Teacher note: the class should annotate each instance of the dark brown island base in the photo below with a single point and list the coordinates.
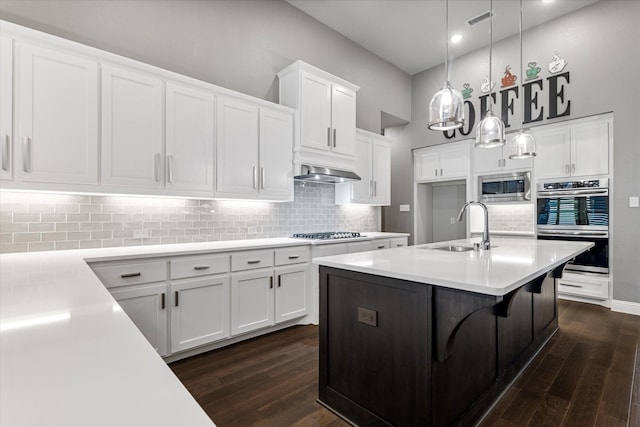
(402, 353)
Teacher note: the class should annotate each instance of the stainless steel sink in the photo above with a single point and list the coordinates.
(453, 248)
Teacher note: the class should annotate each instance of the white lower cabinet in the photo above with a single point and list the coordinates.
(199, 311)
(291, 292)
(251, 300)
(146, 306)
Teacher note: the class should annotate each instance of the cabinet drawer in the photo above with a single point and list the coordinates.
(131, 273)
(250, 260)
(584, 289)
(194, 266)
(398, 242)
(380, 244)
(292, 255)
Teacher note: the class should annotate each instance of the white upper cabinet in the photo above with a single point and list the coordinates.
(132, 155)
(574, 149)
(57, 118)
(373, 165)
(276, 154)
(254, 151)
(442, 162)
(326, 128)
(6, 108)
(237, 148)
(189, 140)
(489, 160)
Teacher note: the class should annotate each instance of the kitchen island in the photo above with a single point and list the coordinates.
(430, 337)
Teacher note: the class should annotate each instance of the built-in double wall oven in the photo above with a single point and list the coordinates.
(577, 211)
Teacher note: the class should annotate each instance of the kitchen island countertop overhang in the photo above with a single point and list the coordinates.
(509, 264)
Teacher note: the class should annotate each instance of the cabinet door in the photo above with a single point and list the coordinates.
(454, 162)
(189, 140)
(553, 153)
(487, 160)
(378, 244)
(381, 173)
(237, 148)
(426, 166)
(57, 123)
(590, 149)
(146, 307)
(6, 108)
(199, 311)
(343, 120)
(315, 112)
(276, 154)
(291, 292)
(131, 129)
(251, 301)
(361, 191)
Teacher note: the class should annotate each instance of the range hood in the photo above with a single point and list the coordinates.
(325, 175)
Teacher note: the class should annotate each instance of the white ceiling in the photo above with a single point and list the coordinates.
(410, 33)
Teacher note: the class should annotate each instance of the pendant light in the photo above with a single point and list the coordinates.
(446, 107)
(490, 130)
(523, 145)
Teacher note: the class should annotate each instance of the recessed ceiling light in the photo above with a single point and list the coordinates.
(456, 38)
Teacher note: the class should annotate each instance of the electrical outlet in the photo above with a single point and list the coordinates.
(140, 234)
(405, 208)
(634, 202)
(452, 220)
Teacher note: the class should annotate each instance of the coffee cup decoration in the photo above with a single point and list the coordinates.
(508, 79)
(533, 71)
(466, 91)
(485, 86)
(557, 64)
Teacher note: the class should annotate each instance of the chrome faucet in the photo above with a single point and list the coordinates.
(485, 243)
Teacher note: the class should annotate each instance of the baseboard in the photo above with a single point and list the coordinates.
(625, 307)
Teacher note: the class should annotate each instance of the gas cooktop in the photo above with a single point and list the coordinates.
(328, 235)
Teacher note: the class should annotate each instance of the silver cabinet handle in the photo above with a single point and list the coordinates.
(262, 178)
(435, 172)
(156, 167)
(128, 275)
(380, 246)
(201, 267)
(573, 167)
(440, 171)
(270, 282)
(170, 167)
(279, 280)
(334, 138)
(176, 295)
(5, 153)
(255, 177)
(375, 188)
(26, 154)
(253, 261)
(162, 301)
(370, 188)
(566, 168)
(570, 285)
(294, 256)
(399, 245)
(328, 137)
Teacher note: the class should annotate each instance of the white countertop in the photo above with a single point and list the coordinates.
(509, 264)
(69, 356)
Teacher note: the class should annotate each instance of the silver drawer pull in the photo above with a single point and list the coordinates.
(128, 275)
(571, 286)
(294, 256)
(381, 247)
(201, 267)
(399, 245)
(5, 153)
(253, 261)
(26, 154)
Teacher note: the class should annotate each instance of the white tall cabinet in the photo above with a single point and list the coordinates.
(56, 104)
(132, 149)
(6, 108)
(441, 162)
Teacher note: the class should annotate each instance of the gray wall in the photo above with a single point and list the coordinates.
(236, 44)
(601, 44)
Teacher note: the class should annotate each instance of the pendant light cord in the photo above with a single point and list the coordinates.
(446, 40)
(490, 56)
(521, 74)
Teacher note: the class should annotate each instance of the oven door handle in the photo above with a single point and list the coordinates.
(572, 193)
(573, 233)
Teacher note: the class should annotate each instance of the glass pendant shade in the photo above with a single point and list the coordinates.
(522, 146)
(446, 110)
(490, 132)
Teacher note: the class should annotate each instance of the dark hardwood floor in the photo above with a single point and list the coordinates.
(583, 377)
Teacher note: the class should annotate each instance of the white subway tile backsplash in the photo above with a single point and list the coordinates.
(63, 221)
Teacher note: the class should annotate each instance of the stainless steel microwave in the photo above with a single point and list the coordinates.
(506, 187)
